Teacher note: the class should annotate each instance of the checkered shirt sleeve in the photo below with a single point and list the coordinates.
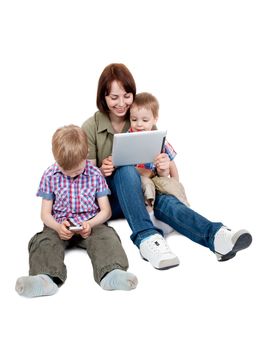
(46, 189)
(169, 150)
(101, 186)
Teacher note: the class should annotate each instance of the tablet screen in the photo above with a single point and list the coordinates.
(137, 147)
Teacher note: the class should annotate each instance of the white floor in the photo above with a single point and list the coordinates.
(204, 62)
(199, 304)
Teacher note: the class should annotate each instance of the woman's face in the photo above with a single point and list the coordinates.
(118, 100)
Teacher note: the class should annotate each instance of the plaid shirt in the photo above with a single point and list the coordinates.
(73, 199)
(167, 148)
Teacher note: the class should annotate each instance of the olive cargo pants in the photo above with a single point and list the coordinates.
(47, 250)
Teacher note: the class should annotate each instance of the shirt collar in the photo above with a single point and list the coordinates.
(85, 172)
(56, 169)
(104, 123)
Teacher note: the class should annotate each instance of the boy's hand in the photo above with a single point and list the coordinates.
(86, 231)
(107, 167)
(63, 231)
(162, 163)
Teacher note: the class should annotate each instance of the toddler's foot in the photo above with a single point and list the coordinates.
(160, 224)
(36, 286)
(227, 242)
(156, 250)
(119, 280)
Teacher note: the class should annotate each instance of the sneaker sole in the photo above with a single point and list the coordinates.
(166, 267)
(242, 242)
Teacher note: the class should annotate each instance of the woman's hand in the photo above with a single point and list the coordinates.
(162, 163)
(63, 231)
(107, 167)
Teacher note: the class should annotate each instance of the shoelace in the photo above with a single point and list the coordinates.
(159, 245)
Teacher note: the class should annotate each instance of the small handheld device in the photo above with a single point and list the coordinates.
(75, 228)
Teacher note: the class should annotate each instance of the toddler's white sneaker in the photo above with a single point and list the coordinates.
(156, 250)
(227, 242)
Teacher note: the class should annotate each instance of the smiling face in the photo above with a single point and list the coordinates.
(118, 101)
(141, 118)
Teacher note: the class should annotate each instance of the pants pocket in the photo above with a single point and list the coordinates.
(33, 239)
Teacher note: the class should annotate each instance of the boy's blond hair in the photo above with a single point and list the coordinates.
(148, 101)
(69, 146)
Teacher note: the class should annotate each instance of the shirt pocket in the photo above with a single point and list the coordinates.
(61, 202)
(87, 200)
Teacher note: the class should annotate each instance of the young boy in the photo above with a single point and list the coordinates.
(159, 175)
(74, 210)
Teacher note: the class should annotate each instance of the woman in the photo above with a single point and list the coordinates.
(115, 94)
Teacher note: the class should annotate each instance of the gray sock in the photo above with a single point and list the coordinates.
(119, 280)
(35, 286)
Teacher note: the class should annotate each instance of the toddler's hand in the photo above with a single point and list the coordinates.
(162, 163)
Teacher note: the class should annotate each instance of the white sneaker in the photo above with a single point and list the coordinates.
(227, 242)
(156, 250)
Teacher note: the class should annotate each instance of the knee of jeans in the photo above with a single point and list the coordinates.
(127, 171)
(166, 201)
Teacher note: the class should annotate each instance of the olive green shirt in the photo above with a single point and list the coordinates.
(100, 135)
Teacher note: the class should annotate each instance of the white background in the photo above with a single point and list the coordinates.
(204, 62)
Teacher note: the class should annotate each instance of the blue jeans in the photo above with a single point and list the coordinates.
(127, 201)
(186, 221)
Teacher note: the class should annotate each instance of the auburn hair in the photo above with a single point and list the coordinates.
(113, 72)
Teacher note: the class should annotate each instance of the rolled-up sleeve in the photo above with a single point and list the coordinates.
(102, 187)
(45, 189)
(89, 127)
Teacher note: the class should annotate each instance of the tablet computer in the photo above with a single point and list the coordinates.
(137, 147)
